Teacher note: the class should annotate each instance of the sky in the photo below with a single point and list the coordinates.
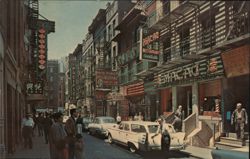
(72, 18)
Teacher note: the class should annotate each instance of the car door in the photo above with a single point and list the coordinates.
(125, 133)
(177, 138)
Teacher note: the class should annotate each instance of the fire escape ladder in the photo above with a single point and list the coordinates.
(236, 18)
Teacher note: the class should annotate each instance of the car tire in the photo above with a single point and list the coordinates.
(132, 147)
(110, 139)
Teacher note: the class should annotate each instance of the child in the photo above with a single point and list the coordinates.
(79, 147)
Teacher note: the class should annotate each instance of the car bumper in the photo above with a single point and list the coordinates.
(178, 147)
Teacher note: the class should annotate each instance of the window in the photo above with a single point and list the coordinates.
(114, 27)
(208, 30)
(184, 41)
(138, 128)
(167, 50)
(126, 127)
(153, 128)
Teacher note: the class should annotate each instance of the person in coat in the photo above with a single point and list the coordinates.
(70, 127)
(58, 138)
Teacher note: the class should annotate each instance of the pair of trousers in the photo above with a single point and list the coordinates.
(239, 129)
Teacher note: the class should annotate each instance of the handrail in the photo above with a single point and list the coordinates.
(189, 124)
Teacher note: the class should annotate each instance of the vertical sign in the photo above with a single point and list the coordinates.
(41, 48)
(149, 45)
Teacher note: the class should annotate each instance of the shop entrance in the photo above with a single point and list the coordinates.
(235, 90)
(184, 98)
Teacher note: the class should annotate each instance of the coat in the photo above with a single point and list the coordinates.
(58, 141)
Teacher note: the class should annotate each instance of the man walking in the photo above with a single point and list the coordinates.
(27, 130)
(70, 127)
(239, 118)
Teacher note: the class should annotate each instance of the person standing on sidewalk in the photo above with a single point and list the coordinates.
(118, 119)
(239, 118)
(177, 123)
(27, 130)
(40, 124)
(47, 123)
(70, 127)
(58, 142)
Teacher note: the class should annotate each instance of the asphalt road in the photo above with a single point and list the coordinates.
(97, 148)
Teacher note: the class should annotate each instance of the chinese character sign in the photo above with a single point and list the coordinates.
(34, 88)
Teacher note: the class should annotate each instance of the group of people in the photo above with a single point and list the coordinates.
(64, 140)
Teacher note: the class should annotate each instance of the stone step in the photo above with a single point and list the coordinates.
(233, 135)
(226, 146)
(230, 140)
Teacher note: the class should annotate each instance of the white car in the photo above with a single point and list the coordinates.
(143, 136)
(100, 125)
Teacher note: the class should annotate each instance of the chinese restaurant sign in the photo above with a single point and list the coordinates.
(149, 46)
(34, 88)
(42, 48)
(203, 69)
(105, 78)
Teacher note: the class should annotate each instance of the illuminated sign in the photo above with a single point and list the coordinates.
(149, 46)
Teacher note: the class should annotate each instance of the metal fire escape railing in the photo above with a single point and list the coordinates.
(32, 20)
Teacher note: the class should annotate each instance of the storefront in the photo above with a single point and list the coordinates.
(187, 85)
(136, 99)
(236, 82)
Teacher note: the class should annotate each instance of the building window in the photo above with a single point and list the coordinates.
(51, 69)
(184, 41)
(167, 50)
(114, 27)
(208, 30)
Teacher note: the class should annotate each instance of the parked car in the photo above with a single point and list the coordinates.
(100, 125)
(230, 154)
(86, 121)
(143, 136)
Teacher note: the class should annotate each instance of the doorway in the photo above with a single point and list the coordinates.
(184, 98)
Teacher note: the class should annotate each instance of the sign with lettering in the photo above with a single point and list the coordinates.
(203, 69)
(105, 78)
(34, 88)
(149, 46)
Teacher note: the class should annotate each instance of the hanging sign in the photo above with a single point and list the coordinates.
(149, 46)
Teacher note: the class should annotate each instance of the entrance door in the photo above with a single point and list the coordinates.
(184, 98)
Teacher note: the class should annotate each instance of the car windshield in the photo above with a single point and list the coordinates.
(108, 120)
(153, 128)
(86, 120)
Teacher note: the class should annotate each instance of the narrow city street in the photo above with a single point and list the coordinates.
(148, 74)
(96, 148)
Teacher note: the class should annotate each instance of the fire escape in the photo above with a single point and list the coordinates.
(32, 19)
(197, 29)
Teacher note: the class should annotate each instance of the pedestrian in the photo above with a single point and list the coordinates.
(79, 124)
(118, 118)
(165, 137)
(140, 116)
(177, 123)
(40, 124)
(79, 147)
(58, 138)
(47, 123)
(70, 127)
(239, 118)
(136, 117)
(27, 130)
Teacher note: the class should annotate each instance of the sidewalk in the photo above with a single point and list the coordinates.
(40, 150)
(198, 152)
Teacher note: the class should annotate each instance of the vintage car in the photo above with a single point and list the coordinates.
(144, 136)
(100, 125)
